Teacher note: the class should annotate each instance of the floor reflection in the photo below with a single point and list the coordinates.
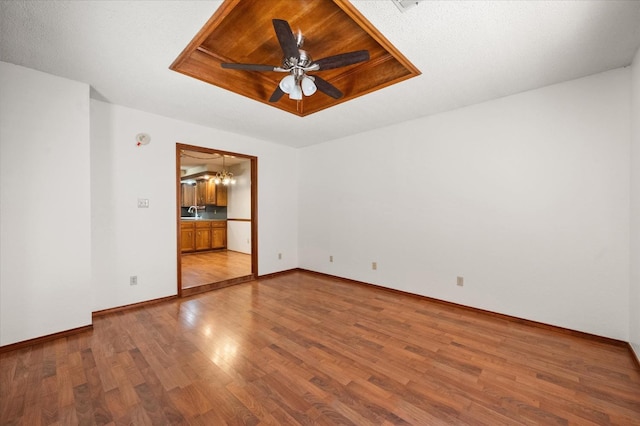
(211, 267)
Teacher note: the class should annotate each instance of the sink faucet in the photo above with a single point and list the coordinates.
(193, 209)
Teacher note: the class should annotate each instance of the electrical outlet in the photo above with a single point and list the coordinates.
(460, 281)
(330, 258)
(133, 280)
(279, 256)
(143, 203)
(374, 265)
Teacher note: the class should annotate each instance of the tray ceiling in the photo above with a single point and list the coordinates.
(241, 31)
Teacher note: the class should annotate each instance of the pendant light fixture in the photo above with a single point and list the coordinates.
(224, 177)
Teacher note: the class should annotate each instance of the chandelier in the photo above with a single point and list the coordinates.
(224, 177)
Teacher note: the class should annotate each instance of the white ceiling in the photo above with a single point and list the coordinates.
(468, 52)
(191, 159)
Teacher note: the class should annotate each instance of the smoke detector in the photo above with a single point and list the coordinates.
(404, 5)
(142, 139)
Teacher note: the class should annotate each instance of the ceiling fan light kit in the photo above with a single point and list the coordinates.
(248, 56)
(289, 86)
(308, 86)
(298, 62)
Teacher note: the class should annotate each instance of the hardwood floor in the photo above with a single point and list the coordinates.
(301, 348)
(211, 267)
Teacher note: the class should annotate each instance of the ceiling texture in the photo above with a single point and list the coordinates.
(466, 51)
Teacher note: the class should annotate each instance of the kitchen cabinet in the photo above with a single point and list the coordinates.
(210, 194)
(187, 236)
(221, 195)
(188, 195)
(201, 191)
(218, 234)
(201, 235)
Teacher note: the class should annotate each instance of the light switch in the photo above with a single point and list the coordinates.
(143, 203)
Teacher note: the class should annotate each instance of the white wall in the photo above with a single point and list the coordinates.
(130, 241)
(44, 204)
(239, 195)
(239, 207)
(526, 197)
(239, 236)
(634, 328)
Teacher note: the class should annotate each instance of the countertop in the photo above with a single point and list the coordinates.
(199, 219)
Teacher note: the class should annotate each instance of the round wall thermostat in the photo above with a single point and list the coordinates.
(143, 138)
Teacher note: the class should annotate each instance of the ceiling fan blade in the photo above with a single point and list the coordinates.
(286, 38)
(276, 95)
(328, 88)
(342, 60)
(249, 67)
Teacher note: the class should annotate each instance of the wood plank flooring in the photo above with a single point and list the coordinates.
(305, 349)
(212, 267)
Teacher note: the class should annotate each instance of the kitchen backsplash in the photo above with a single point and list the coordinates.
(210, 212)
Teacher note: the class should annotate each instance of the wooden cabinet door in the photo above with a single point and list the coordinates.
(188, 195)
(203, 239)
(211, 192)
(219, 238)
(201, 189)
(187, 237)
(221, 196)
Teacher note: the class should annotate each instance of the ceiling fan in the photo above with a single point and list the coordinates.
(297, 63)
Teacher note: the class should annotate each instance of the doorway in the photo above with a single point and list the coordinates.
(216, 197)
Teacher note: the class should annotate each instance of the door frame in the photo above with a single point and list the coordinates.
(254, 213)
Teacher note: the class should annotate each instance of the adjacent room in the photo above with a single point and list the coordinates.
(215, 220)
(320, 212)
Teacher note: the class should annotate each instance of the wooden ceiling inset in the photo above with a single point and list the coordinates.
(241, 31)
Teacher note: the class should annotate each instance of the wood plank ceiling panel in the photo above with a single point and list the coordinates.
(241, 31)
